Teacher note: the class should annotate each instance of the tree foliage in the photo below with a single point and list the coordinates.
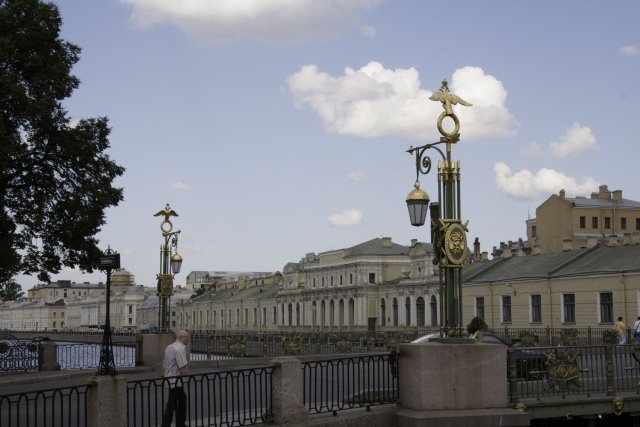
(56, 179)
(11, 291)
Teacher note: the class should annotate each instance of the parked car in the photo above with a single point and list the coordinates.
(530, 364)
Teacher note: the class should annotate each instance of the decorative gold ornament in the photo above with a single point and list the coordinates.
(618, 405)
(165, 285)
(448, 99)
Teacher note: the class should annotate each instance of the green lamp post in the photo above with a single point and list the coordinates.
(448, 233)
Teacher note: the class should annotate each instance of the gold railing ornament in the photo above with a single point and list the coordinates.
(563, 367)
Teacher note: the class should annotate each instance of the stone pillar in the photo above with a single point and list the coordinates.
(442, 384)
(107, 401)
(152, 347)
(288, 406)
(48, 356)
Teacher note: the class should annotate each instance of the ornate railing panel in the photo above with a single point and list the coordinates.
(18, 355)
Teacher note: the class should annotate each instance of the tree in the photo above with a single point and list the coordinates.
(56, 179)
(11, 291)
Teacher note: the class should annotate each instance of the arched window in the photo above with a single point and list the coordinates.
(383, 312)
(323, 314)
(352, 310)
(332, 313)
(314, 315)
(434, 310)
(297, 314)
(290, 310)
(395, 311)
(420, 311)
(407, 311)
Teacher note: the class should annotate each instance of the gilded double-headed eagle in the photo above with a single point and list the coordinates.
(447, 98)
(167, 212)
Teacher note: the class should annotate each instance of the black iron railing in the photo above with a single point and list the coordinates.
(45, 408)
(561, 371)
(87, 356)
(18, 355)
(229, 398)
(348, 383)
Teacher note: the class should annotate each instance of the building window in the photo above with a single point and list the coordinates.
(637, 224)
(607, 222)
(237, 317)
(322, 282)
(569, 308)
(314, 315)
(594, 222)
(246, 317)
(331, 280)
(372, 278)
(606, 307)
(351, 276)
(583, 222)
(290, 311)
(383, 312)
(297, 314)
(395, 312)
(536, 308)
(434, 310)
(623, 223)
(264, 315)
(506, 309)
(420, 312)
(407, 311)
(255, 316)
(480, 307)
(341, 282)
(534, 231)
(275, 315)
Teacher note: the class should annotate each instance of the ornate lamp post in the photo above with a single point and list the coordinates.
(448, 233)
(169, 259)
(109, 262)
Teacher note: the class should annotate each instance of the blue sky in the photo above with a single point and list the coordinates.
(276, 128)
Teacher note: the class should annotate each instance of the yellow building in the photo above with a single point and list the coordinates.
(579, 288)
(563, 223)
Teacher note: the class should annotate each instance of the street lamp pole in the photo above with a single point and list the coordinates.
(170, 264)
(109, 262)
(448, 233)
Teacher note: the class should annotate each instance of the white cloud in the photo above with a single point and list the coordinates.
(577, 139)
(346, 218)
(180, 186)
(127, 251)
(358, 176)
(279, 21)
(377, 102)
(629, 50)
(525, 185)
(532, 149)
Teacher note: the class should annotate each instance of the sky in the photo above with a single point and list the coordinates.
(278, 128)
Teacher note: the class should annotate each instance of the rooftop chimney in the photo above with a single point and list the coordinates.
(386, 242)
(506, 252)
(562, 194)
(617, 196)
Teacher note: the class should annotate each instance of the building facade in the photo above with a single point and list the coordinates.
(563, 223)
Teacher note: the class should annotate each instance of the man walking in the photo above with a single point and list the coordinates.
(175, 365)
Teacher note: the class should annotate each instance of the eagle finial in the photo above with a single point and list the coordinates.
(447, 98)
(167, 212)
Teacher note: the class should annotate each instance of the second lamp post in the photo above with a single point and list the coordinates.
(170, 264)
